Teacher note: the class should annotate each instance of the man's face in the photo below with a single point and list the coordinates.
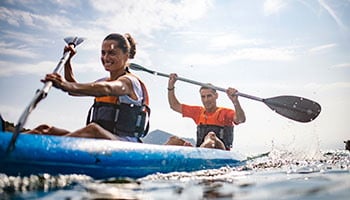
(208, 97)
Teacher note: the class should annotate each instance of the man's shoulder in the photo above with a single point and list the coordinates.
(191, 109)
(186, 106)
(226, 110)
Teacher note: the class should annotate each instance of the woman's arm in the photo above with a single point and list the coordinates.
(119, 87)
(68, 71)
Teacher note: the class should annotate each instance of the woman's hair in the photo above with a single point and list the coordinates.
(125, 42)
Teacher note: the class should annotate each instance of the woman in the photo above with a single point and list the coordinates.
(120, 100)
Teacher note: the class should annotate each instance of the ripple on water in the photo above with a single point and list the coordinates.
(267, 176)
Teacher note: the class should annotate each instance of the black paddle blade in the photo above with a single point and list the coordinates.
(296, 108)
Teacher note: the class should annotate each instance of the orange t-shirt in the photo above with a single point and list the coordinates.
(221, 117)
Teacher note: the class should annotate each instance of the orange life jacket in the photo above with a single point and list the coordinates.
(214, 118)
(215, 122)
(121, 119)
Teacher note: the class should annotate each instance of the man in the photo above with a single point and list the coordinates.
(214, 124)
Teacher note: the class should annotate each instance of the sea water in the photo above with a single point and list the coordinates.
(273, 175)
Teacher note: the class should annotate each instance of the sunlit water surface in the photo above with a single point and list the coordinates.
(274, 175)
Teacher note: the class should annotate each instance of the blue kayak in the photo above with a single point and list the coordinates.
(99, 158)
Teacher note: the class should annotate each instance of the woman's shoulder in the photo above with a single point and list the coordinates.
(102, 79)
(131, 76)
(133, 79)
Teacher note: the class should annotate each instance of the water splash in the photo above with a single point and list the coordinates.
(278, 172)
(44, 182)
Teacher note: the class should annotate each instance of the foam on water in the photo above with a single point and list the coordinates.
(275, 174)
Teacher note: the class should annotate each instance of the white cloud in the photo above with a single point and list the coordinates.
(68, 3)
(146, 16)
(342, 65)
(273, 54)
(10, 49)
(273, 6)
(341, 86)
(21, 18)
(44, 67)
(14, 68)
(218, 40)
(322, 47)
(257, 54)
(15, 17)
(25, 38)
(226, 40)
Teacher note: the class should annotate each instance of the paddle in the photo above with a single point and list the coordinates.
(41, 94)
(296, 108)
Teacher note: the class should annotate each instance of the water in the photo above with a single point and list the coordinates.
(274, 175)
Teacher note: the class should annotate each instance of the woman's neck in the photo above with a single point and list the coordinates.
(116, 74)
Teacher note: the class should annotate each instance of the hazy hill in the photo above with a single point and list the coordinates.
(160, 137)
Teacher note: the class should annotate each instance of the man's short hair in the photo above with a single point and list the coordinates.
(207, 86)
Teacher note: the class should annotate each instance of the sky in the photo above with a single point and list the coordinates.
(262, 48)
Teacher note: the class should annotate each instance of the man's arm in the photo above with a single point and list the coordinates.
(173, 102)
(240, 115)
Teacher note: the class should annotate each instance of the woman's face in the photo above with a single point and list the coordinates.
(112, 57)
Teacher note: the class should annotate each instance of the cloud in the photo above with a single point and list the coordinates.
(226, 40)
(256, 54)
(342, 65)
(273, 54)
(341, 86)
(16, 17)
(24, 38)
(8, 68)
(218, 40)
(14, 68)
(273, 6)
(322, 47)
(149, 15)
(20, 18)
(11, 49)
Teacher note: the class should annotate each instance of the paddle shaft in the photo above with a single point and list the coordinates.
(40, 94)
(293, 107)
(206, 85)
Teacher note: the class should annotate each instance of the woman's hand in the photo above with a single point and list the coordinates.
(71, 49)
(57, 81)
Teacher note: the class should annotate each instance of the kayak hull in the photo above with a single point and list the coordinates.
(99, 158)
